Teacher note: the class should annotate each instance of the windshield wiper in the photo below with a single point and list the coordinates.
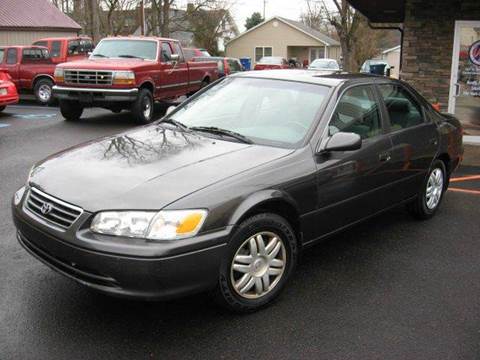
(219, 131)
(100, 55)
(130, 56)
(175, 122)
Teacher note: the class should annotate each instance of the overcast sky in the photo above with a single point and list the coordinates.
(290, 9)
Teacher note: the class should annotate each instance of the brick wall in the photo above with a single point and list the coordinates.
(428, 43)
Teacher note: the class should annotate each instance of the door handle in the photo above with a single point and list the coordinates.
(434, 141)
(385, 156)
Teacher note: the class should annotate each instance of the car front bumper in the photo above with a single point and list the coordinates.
(120, 273)
(92, 96)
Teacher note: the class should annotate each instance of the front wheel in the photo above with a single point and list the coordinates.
(142, 108)
(430, 195)
(261, 257)
(70, 110)
(43, 91)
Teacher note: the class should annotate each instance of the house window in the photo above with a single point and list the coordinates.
(317, 53)
(261, 51)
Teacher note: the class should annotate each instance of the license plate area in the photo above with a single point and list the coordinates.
(85, 97)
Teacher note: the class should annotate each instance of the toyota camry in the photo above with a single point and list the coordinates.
(226, 190)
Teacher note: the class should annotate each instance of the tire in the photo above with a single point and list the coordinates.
(235, 290)
(71, 110)
(43, 91)
(425, 206)
(2, 108)
(140, 112)
(205, 82)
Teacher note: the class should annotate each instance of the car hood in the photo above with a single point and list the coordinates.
(148, 168)
(105, 64)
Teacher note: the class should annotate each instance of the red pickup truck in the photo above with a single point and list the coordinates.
(129, 73)
(30, 68)
(63, 49)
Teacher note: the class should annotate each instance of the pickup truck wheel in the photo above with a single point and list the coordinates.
(43, 91)
(142, 108)
(70, 110)
(2, 108)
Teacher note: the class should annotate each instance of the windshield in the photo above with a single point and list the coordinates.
(271, 60)
(142, 49)
(324, 64)
(267, 112)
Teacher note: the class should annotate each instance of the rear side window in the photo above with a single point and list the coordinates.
(357, 112)
(30, 55)
(56, 48)
(166, 52)
(403, 109)
(11, 56)
(2, 53)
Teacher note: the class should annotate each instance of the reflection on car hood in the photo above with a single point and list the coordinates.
(147, 168)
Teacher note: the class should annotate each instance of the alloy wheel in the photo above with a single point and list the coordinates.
(434, 189)
(147, 107)
(45, 92)
(258, 265)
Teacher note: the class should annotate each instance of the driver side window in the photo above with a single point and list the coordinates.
(357, 112)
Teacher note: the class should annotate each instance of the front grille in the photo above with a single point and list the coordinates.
(90, 77)
(54, 211)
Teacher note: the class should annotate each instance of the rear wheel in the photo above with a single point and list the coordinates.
(430, 195)
(142, 108)
(262, 255)
(71, 110)
(43, 91)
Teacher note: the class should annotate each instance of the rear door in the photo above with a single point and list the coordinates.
(414, 138)
(353, 185)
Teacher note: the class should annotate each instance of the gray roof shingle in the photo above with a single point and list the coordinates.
(33, 14)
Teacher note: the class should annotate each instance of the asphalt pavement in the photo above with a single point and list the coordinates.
(390, 288)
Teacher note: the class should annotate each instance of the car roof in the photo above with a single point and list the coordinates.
(24, 47)
(151, 38)
(327, 78)
(64, 38)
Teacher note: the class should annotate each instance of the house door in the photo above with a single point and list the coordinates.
(317, 53)
(464, 99)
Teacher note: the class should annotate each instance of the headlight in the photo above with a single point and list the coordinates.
(18, 196)
(59, 74)
(123, 77)
(163, 225)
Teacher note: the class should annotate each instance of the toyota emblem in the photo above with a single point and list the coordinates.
(46, 208)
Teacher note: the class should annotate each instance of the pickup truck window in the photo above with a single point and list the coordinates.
(141, 49)
(40, 43)
(178, 50)
(2, 53)
(30, 55)
(11, 56)
(56, 48)
(166, 52)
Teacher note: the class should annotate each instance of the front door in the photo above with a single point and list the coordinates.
(353, 185)
(465, 81)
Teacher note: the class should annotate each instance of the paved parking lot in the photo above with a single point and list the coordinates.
(391, 288)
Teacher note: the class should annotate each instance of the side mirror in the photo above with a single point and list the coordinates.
(174, 58)
(342, 141)
(170, 109)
